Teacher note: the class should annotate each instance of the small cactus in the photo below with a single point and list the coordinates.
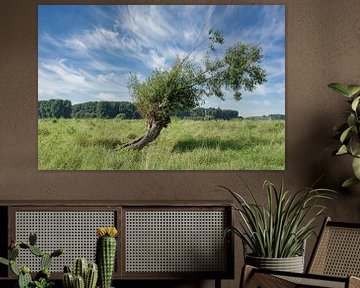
(24, 280)
(45, 261)
(36, 251)
(13, 253)
(23, 273)
(79, 282)
(68, 280)
(32, 239)
(89, 272)
(80, 267)
(91, 276)
(106, 254)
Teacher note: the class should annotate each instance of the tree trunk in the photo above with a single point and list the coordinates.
(151, 134)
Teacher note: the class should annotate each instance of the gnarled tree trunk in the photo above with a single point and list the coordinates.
(154, 129)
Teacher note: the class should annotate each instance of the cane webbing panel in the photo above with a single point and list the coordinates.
(338, 252)
(75, 231)
(175, 241)
(313, 282)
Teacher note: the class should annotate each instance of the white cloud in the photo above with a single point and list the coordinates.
(107, 96)
(58, 79)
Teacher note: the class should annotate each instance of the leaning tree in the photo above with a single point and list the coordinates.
(189, 79)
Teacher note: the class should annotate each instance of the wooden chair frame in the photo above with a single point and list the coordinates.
(255, 277)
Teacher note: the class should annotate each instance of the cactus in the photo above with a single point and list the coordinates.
(13, 253)
(32, 239)
(80, 267)
(91, 276)
(68, 280)
(105, 255)
(90, 272)
(36, 251)
(79, 282)
(14, 268)
(24, 278)
(45, 261)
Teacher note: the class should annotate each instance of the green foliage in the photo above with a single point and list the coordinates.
(207, 114)
(54, 108)
(43, 283)
(42, 278)
(349, 131)
(182, 86)
(99, 109)
(193, 145)
(105, 110)
(279, 229)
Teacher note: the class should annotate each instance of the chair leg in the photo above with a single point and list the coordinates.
(217, 283)
(246, 274)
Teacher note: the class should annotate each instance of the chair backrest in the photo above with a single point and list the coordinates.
(337, 251)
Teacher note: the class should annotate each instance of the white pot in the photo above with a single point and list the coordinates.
(291, 264)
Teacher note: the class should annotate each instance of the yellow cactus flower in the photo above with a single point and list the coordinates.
(106, 231)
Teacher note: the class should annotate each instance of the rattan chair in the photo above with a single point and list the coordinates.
(334, 263)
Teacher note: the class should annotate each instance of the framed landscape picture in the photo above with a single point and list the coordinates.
(161, 87)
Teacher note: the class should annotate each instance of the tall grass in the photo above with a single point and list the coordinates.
(89, 144)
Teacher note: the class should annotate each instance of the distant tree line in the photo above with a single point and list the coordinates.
(268, 117)
(208, 114)
(105, 110)
(54, 108)
(58, 108)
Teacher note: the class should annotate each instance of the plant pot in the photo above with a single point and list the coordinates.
(291, 264)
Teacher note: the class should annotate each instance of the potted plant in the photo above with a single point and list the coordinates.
(276, 233)
(348, 132)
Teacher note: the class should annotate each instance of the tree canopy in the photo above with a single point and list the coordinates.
(183, 85)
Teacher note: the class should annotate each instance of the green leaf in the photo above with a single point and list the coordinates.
(353, 89)
(356, 167)
(354, 145)
(349, 182)
(14, 268)
(340, 88)
(342, 150)
(351, 120)
(4, 261)
(355, 103)
(345, 134)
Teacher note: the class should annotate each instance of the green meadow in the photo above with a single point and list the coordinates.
(94, 144)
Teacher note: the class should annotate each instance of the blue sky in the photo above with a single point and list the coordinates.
(86, 52)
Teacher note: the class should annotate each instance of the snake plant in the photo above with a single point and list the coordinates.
(348, 132)
(279, 228)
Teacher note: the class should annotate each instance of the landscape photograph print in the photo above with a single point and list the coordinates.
(161, 87)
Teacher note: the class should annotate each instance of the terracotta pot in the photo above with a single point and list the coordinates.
(291, 264)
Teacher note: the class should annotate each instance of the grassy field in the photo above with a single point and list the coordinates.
(89, 144)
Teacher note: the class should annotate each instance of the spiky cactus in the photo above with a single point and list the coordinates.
(80, 267)
(105, 254)
(91, 276)
(68, 280)
(79, 282)
(23, 273)
(24, 277)
(84, 274)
